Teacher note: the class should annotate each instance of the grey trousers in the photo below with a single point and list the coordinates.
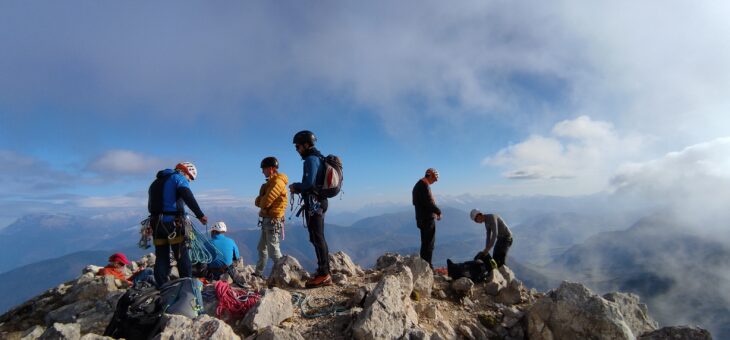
(269, 242)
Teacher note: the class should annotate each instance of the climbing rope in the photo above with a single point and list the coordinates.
(233, 302)
(314, 307)
(201, 249)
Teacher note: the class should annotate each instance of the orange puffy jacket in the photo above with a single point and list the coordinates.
(272, 197)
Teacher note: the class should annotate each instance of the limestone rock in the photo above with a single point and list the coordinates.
(33, 333)
(507, 273)
(387, 260)
(244, 275)
(287, 272)
(495, 282)
(92, 336)
(68, 313)
(444, 331)
(677, 333)
(90, 269)
(416, 334)
(635, 314)
(385, 313)
(574, 312)
(275, 306)
(341, 263)
(512, 294)
(428, 311)
(178, 327)
(358, 298)
(422, 275)
(404, 275)
(462, 286)
(61, 331)
(276, 333)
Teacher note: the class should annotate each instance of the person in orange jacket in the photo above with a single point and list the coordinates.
(116, 262)
(272, 200)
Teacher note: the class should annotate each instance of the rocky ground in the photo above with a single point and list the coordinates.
(400, 298)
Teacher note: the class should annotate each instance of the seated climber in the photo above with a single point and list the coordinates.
(115, 267)
(227, 248)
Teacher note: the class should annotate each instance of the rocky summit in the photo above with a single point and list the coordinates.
(399, 298)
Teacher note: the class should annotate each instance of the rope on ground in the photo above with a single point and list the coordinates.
(232, 302)
(201, 249)
(314, 307)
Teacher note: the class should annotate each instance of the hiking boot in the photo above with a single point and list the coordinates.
(319, 281)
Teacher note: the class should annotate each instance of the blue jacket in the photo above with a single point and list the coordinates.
(227, 247)
(313, 172)
(174, 193)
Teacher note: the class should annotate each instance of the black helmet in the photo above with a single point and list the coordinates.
(304, 136)
(269, 161)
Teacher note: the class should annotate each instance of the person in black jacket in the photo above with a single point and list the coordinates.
(427, 213)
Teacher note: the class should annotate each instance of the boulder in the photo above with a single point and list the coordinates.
(94, 288)
(358, 297)
(462, 286)
(385, 315)
(341, 263)
(274, 307)
(635, 314)
(512, 294)
(245, 276)
(287, 272)
(444, 331)
(677, 333)
(507, 273)
(416, 334)
(403, 273)
(387, 260)
(178, 327)
(494, 282)
(60, 331)
(91, 269)
(33, 333)
(68, 313)
(574, 312)
(92, 336)
(428, 311)
(276, 333)
(422, 275)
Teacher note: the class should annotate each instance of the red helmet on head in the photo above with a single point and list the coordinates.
(188, 168)
(119, 257)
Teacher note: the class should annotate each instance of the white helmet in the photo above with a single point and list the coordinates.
(188, 168)
(474, 213)
(219, 227)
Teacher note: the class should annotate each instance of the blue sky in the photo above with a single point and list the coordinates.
(501, 97)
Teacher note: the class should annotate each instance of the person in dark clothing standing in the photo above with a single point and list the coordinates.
(315, 206)
(168, 196)
(427, 213)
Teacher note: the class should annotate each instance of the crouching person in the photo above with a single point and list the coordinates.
(498, 236)
(227, 248)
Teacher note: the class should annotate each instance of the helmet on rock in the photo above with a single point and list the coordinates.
(188, 168)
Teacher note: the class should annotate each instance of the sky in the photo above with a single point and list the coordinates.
(558, 98)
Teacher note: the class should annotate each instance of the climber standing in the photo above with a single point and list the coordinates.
(498, 235)
(315, 205)
(169, 193)
(427, 213)
(272, 200)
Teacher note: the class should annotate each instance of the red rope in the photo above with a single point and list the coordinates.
(232, 302)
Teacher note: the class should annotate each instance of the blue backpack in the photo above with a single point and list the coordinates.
(182, 297)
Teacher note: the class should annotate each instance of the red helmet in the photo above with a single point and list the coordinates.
(119, 257)
(188, 168)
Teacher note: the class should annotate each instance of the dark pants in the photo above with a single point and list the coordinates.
(162, 255)
(315, 225)
(500, 250)
(428, 238)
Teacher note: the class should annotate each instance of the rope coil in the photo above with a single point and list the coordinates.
(233, 303)
(308, 304)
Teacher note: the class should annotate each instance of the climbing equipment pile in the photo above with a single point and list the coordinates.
(233, 303)
(314, 307)
(201, 249)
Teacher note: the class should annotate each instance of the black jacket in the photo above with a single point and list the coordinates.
(423, 201)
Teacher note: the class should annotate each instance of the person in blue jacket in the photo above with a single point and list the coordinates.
(168, 195)
(315, 206)
(228, 251)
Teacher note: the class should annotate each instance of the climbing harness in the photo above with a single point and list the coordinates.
(314, 307)
(233, 303)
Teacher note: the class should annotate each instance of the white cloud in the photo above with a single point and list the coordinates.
(125, 163)
(580, 152)
(692, 182)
